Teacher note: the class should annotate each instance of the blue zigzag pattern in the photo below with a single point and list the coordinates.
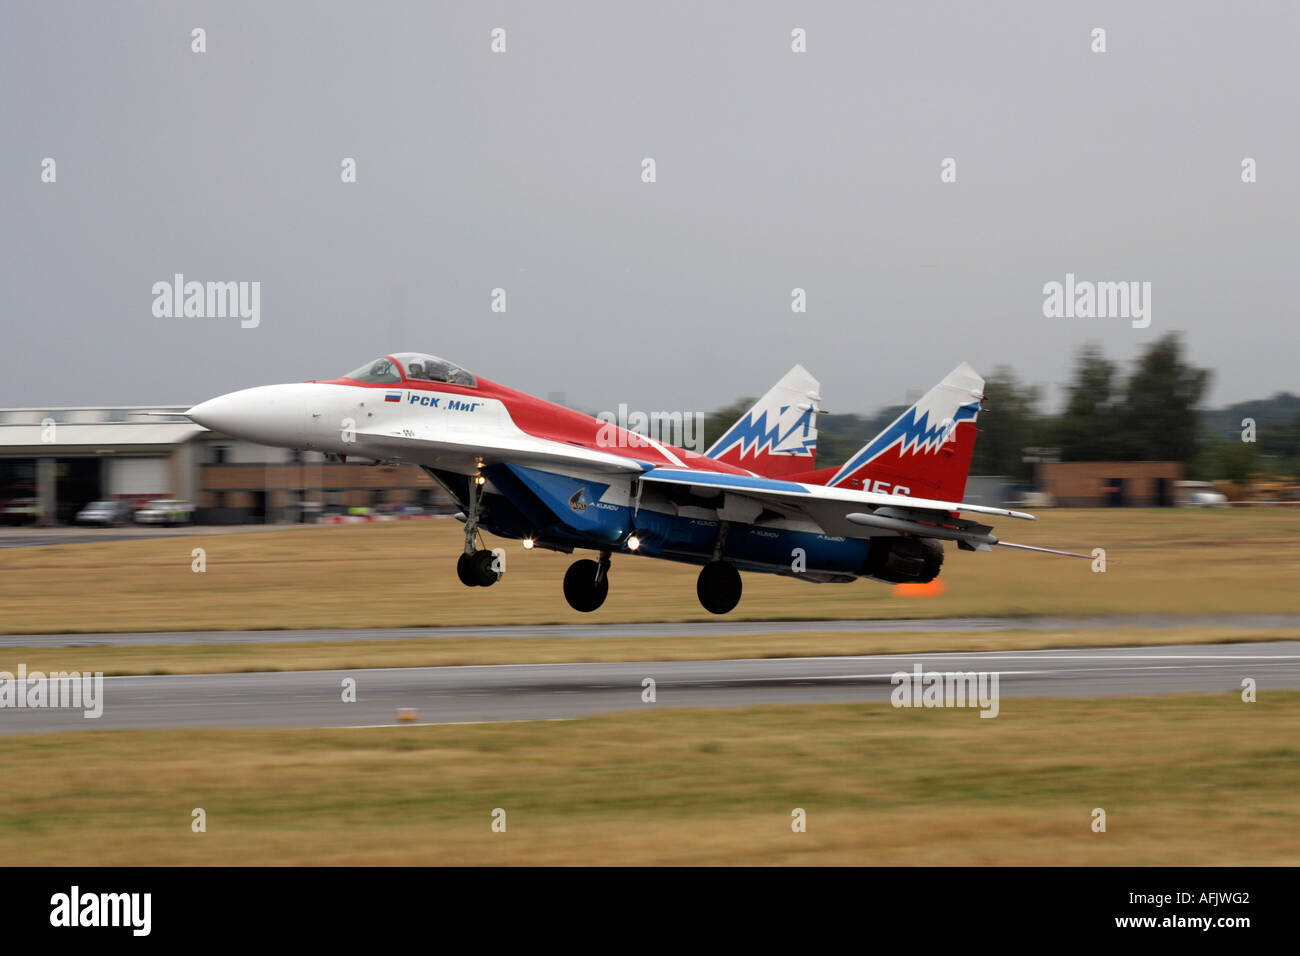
(915, 435)
(755, 435)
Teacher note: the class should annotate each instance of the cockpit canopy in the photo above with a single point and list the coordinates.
(412, 367)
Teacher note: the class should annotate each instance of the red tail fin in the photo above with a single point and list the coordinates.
(926, 451)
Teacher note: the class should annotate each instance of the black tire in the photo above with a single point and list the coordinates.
(580, 587)
(904, 560)
(464, 571)
(482, 568)
(718, 587)
(933, 560)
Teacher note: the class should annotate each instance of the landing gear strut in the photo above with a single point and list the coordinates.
(476, 567)
(586, 583)
(718, 587)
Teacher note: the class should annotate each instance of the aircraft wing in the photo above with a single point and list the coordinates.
(464, 455)
(841, 511)
(794, 491)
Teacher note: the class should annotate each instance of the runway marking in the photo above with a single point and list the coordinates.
(957, 656)
(1037, 624)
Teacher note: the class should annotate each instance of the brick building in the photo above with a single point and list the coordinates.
(1097, 484)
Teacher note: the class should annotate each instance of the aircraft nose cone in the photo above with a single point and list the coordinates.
(237, 413)
(213, 414)
(269, 415)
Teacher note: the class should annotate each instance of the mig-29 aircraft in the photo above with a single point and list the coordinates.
(524, 468)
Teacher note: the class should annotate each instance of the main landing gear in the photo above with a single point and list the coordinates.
(476, 567)
(718, 587)
(586, 583)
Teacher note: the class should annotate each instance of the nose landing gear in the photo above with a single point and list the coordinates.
(476, 567)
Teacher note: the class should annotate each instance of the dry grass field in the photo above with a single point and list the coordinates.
(402, 575)
(204, 658)
(1184, 780)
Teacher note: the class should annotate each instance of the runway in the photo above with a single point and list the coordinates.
(717, 628)
(560, 691)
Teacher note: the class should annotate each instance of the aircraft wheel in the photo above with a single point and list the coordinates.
(482, 570)
(580, 587)
(464, 571)
(933, 560)
(718, 587)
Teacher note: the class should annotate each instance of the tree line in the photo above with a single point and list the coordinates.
(1150, 412)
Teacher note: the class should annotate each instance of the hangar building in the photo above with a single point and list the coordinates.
(54, 461)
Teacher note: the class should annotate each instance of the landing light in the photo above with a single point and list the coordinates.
(480, 480)
(528, 544)
(633, 542)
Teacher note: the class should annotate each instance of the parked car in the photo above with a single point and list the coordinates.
(165, 511)
(1207, 499)
(22, 511)
(109, 511)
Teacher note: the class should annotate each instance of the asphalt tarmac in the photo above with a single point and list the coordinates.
(562, 691)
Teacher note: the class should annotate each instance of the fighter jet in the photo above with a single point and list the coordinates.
(523, 468)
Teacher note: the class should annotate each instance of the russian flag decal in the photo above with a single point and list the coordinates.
(393, 397)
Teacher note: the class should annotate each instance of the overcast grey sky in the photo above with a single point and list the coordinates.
(522, 170)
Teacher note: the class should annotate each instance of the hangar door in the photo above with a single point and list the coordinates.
(137, 476)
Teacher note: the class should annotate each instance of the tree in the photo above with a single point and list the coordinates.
(842, 434)
(1012, 423)
(1089, 430)
(1224, 460)
(1159, 419)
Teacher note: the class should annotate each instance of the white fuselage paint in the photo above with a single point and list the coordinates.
(442, 429)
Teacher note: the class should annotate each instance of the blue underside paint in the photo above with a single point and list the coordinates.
(566, 511)
(718, 480)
